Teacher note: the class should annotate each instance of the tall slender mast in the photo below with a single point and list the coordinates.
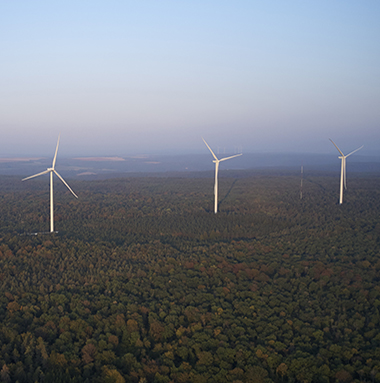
(343, 177)
(343, 160)
(216, 162)
(51, 171)
(216, 187)
(51, 204)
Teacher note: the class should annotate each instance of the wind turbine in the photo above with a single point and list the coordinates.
(51, 171)
(216, 161)
(343, 177)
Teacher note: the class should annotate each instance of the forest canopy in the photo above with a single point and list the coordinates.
(144, 283)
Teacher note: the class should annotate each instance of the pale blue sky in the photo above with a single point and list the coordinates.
(127, 77)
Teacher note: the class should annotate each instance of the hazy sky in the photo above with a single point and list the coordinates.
(127, 77)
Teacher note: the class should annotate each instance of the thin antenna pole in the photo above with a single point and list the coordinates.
(301, 181)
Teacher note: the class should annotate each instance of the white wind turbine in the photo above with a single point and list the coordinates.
(51, 171)
(343, 177)
(216, 161)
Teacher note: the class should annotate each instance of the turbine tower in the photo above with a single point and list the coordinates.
(343, 177)
(216, 161)
(51, 171)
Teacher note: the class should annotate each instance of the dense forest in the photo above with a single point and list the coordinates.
(144, 283)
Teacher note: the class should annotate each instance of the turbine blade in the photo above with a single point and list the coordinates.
(36, 175)
(210, 149)
(355, 151)
(56, 151)
(336, 147)
(65, 183)
(227, 158)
